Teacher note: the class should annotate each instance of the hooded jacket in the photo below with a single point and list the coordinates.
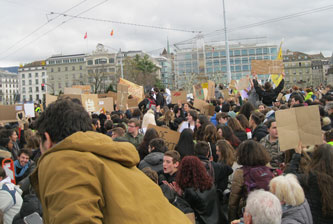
(259, 132)
(268, 96)
(153, 160)
(297, 215)
(89, 178)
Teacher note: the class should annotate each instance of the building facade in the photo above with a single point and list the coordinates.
(32, 78)
(9, 88)
(166, 61)
(210, 62)
(65, 71)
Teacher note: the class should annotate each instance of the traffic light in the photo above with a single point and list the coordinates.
(43, 86)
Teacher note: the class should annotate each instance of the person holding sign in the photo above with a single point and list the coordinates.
(268, 94)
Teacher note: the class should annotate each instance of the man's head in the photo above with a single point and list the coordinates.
(108, 125)
(262, 207)
(60, 120)
(133, 126)
(24, 157)
(256, 119)
(296, 99)
(272, 129)
(201, 149)
(97, 124)
(171, 161)
(157, 145)
(222, 118)
(117, 132)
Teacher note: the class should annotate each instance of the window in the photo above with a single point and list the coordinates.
(231, 53)
(237, 61)
(265, 51)
(30, 97)
(244, 52)
(36, 75)
(73, 60)
(273, 51)
(59, 69)
(29, 75)
(209, 55)
(216, 54)
(238, 68)
(59, 85)
(37, 97)
(251, 52)
(90, 62)
(52, 70)
(43, 74)
(58, 61)
(223, 54)
(80, 67)
(23, 90)
(30, 89)
(231, 61)
(245, 60)
(23, 82)
(37, 89)
(73, 68)
(111, 60)
(223, 61)
(66, 68)
(23, 76)
(237, 52)
(30, 82)
(245, 68)
(66, 60)
(36, 81)
(259, 51)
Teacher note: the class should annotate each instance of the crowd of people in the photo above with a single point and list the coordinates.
(76, 167)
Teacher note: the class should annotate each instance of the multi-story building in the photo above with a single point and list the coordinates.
(210, 62)
(101, 68)
(65, 71)
(32, 78)
(9, 87)
(167, 69)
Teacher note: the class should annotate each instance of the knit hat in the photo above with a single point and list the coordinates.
(326, 121)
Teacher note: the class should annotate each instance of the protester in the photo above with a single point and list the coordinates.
(210, 136)
(237, 128)
(191, 121)
(225, 132)
(259, 130)
(150, 134)
(100, 182)
(171, 160)
(133, 136)
(185, 145)
(148, 118)
(246, 109)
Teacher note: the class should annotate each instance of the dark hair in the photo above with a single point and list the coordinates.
(252, 153)
(210, 134)
(108, 125)
(151, 174)
(269, 122)
(226, 107)
(228, 134)
(257, 117)
(243, 120)
(194, 114)
(192, 174)
(235, 125)
(137, 113)
(199, 132)
(2, 173)
(247, 109)
(322, 166)
(61, 119)
(267, 86)
(221, 115)
(185, 145)
(201, 148)
(174, 155)
(25, 151)
(158, 144)
(95, 121)
(297, 97)
(119, 131)
(227, 152)
(150, 134)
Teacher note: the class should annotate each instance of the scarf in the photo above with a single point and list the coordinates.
(23, 169)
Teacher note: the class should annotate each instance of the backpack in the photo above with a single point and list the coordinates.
(151, 104)
(257, 177)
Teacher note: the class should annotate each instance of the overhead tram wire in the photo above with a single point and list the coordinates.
(40, 27)
(126, 23)
(55, 28)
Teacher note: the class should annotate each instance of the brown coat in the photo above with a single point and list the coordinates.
(237, 195)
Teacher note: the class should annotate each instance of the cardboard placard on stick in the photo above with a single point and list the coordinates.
(8, 113)
(211, 90)
(298, 124)
(233, 84)
(267, 67)
(198, 92)
(105, 104)
(170, 137)
(90, 102)
(204, 107)
(133, 89)
(178, 96)
(243, 83)
(122, 95)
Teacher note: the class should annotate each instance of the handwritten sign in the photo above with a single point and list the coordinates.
(198, 92)
(178, 96)
(267, 67)
(122, 94)
(170, 137)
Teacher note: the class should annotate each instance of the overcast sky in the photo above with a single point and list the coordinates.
(310, 33)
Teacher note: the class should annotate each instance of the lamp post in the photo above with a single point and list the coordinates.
(226, 45)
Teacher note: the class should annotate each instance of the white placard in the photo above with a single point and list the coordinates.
(29, 110)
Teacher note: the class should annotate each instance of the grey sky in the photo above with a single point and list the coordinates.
(310, 33)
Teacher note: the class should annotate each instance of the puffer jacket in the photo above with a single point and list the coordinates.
(297, 215)
(153, 160)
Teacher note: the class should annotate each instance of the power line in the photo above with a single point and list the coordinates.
(40, 27)
(127, 23)
(55, 28)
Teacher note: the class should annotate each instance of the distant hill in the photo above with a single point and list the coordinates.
(13, 69)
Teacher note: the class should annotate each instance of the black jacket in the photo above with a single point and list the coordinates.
(311, 189)
(268, 96)
(241, 135)
(259, 132)
(205, 205)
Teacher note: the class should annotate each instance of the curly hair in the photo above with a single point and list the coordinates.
(193, 174)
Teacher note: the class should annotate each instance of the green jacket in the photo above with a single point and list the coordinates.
(129, 138)
(89, 178)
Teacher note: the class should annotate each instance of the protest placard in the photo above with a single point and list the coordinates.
(133, 102)
(29, 109)
(85, 89)
(74, 91)
(122, 95)
(170, 137)
(50, 99)
(198, 92)
(90, 102)
(204, 107)
(243, 83)
(233, 84)
(267, 67)
(211, 90)
(225, 93)
(133, 89)
(8, 113)
(178, 96)
(298, 124)
(105, 104)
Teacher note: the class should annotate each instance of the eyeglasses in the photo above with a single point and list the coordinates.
(131, 126)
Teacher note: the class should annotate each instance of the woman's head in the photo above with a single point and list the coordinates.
(287, 189)
(185, 145)
(234, 124)
(210, 133)
(157, 145)
(228, 134)
(243, 121)
(225, 152)
(193, 174)
(256, 118)
(192, 116)
(267, 86)
(202, 120)
(150, 134)
(247, 109)
(252, 153)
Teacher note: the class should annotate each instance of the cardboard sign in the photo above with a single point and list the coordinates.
(211, 90)
(198, 92)
(178, 96)
(225, 93)
(50, 99)
(133, 103)
(243, 83)
(170, 137)
(122, 95)
(298, 124)
(29, 109)
(209, 110)
(133, 89)
(90, 102)
(85, 89)
(8, 112)
(233, 84)
(204, 107)
(267, 67)
(279, 97)
(75, 91)
(105, 104)
(109, 94)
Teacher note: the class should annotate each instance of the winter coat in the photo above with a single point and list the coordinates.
(205, 205)
(237, 195)
(273, 148)
(30, 205)
(89, 178)
(297, 215)
(311, 189)
(268, 96)
(153, 160)
(241, 135)
(259, 132)
(160, 101)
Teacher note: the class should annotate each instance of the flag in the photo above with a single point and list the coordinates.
(85, 36)
(111, 33)
(277, 78)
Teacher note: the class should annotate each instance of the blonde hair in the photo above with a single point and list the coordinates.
(287, 189)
